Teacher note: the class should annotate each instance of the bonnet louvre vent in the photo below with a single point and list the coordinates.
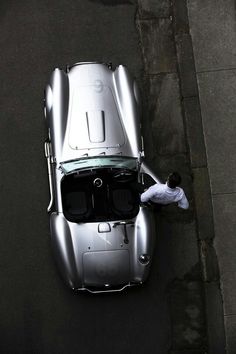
(96, 126)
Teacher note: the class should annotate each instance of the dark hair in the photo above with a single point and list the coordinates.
(173, 180)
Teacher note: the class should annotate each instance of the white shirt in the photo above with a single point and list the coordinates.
(162, 194)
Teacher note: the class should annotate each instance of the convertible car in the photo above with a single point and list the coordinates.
(102, 236)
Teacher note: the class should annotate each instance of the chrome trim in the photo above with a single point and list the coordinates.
(68, 67)
(84, 63)
(142, 154)
(48, 157)
(123, 222)
(107, 291)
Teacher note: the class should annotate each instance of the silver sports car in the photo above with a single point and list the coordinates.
(102, 236)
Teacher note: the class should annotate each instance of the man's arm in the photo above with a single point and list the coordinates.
(148, 194)
(183, 202)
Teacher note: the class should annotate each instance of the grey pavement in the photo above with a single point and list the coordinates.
(189, 52)
(213, 32)
(167, 149)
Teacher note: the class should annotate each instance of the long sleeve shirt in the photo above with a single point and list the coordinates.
(162, 194)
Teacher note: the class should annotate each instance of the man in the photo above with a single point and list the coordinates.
(167, 193)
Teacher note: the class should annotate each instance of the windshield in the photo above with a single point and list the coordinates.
(96, 162)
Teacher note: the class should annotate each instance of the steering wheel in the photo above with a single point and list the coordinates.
(123, 176)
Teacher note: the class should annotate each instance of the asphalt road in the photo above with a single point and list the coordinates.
(38, 314)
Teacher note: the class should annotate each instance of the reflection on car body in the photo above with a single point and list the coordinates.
(102, 238)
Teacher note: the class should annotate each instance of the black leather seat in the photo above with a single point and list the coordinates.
(124, 201)
(77, 205)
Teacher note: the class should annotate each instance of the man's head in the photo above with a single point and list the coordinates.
(173, 180)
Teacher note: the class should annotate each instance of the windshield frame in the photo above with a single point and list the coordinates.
(129, 163)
